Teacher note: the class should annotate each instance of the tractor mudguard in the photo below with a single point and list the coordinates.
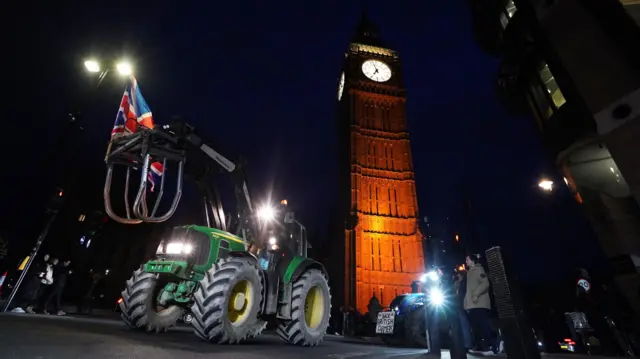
(298, 265)
(243, 254)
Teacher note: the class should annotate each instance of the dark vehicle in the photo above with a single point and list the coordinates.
(403, 323)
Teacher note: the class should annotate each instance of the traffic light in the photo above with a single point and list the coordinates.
(56, 199)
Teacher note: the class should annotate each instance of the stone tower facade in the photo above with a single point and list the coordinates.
(383, 250)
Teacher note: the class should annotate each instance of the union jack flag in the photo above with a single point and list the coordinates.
(134, 113)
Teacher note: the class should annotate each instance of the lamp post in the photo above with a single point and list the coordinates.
(122, 67)
(92, 66)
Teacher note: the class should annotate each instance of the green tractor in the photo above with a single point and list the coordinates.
(233, 274)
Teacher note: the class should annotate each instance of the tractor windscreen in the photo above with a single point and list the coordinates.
(186, 244)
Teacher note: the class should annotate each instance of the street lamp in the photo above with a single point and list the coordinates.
(124, 68)
(546, 185)
(92, 66)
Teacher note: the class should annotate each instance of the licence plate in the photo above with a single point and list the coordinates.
(385, 322)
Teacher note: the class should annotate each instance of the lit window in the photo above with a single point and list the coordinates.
(551, 86)
(507, 14)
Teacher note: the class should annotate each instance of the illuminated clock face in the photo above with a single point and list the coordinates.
(341, 86)
(376, 70)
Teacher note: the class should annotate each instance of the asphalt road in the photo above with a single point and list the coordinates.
(24, 336)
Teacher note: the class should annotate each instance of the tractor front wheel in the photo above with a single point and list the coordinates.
(139, 307)
(310, 310)
(227, 302)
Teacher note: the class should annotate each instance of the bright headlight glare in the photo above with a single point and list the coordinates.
(187, 248)
(430, 276)
(436, 297)
(174, 248)
(433, 275)
(273, 240)
(266, 213)
(178, 248)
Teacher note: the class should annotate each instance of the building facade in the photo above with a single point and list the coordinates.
(383, 250)
(575, 66)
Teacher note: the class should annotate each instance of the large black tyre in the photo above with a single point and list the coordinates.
(139, 308)
(228, 301)
(310, 310)
(415, 328)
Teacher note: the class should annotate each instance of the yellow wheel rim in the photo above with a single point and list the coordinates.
(314, 308)
(240, 302)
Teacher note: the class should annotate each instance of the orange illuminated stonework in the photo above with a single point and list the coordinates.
(383, 244)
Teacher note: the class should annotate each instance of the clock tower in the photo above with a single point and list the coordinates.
(382, 245)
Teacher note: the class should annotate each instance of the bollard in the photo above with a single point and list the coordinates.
(518, 336)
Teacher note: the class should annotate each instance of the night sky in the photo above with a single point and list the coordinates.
(260, 78)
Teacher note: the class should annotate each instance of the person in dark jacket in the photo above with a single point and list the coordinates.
(60, 273)
(32, 291)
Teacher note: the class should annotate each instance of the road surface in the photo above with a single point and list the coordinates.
(24, 336)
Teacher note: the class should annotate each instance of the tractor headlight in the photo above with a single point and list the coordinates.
(178, 248)
(436, 296)
(266, 213)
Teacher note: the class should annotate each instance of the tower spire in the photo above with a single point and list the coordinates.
(363, 9)
(367, 31)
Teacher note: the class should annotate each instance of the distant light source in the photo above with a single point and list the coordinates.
(546, 185)
(92, 66)
(457, 238)
(60, 194)
(124, 68)
(284, 202)
(461, 267)
(266, 213)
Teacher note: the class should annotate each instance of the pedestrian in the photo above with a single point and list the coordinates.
(60, 273)
(478, 304)
(31, 292)
(460, 286)
(46, 283)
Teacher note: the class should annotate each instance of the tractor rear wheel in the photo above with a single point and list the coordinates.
(310, 310)
(139, 306)
(228, 301)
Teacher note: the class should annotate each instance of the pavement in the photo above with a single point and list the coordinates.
(25, 336)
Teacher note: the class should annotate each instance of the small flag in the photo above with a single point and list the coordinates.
(133, 111)
(132, 114)
(155, 171)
